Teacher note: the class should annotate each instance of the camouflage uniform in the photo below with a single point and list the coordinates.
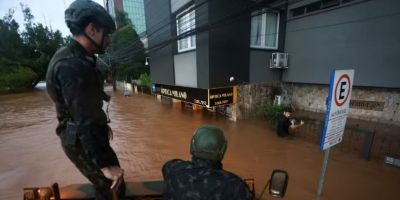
(202, 179)
(76, 87)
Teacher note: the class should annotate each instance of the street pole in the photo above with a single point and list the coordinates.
(323, 171)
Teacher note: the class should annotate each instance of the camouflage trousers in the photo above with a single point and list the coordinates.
(91, 171)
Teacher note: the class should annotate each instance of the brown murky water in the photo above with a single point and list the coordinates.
(148, 133)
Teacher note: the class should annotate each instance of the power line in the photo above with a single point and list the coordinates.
(186, 34)
(200, 29)
(169, 23)
(230, 18)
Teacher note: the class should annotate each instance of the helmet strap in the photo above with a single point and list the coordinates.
(99, 47)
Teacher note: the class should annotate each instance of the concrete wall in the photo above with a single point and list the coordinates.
(313, 98)
(259, 67)
(228, 42)
(251, 100)
(202, 47)
(186, 69)
(363, 35)
(176, 4)
(158, 19)
(260, 58)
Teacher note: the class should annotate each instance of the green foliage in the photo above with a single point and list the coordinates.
(11, 44)
(131, 71)
(126, 54)
(125, 46)
(32, 48)
(41, 43)
(122, 19)
(19, 78)
(145, 80)
(273, 112)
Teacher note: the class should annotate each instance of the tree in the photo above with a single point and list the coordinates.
(122, 19)
(13, 75)
(24, 57)
(11, 43)
(126, 53)
(41, 43)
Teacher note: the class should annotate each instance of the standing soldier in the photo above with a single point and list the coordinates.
(76, 87)
(203, 177)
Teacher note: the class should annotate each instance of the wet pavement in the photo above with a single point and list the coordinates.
(147, 133)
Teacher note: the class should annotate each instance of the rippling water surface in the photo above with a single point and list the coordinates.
(147, 133)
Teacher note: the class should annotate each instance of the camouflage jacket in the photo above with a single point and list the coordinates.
(202, 180)
(76, 87)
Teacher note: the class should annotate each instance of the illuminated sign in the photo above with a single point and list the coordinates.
(205, 97)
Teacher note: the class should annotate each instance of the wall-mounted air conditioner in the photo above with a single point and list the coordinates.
(279, 60)
(278, 100)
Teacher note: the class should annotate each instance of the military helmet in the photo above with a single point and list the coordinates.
(208, 142)
(82, 12)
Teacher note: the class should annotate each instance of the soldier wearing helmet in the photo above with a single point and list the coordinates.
(203, 177)
(76, 87)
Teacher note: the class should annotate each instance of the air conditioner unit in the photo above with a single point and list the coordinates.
(278, 100)
(279, 60)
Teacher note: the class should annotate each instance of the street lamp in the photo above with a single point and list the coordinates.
(232, 79)
(147, 61)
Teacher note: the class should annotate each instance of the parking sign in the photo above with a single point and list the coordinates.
(341, 82)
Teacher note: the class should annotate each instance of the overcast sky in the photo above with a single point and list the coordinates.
(47, 12)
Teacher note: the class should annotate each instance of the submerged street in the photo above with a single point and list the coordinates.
(147, 133)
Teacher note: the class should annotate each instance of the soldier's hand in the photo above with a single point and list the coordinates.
(301, 122)
(115, 174)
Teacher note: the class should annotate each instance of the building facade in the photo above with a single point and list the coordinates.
(134, 9)
(221, 43)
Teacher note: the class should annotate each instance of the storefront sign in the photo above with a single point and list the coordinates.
(367, 105)
(221, 96)
(205, 97)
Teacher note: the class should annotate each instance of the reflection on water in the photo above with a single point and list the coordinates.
(148, 133)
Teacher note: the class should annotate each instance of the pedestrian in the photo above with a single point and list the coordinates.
(285, 122)
(76, 87)
(203, 177)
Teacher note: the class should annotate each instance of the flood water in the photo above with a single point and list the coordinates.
(147, 133)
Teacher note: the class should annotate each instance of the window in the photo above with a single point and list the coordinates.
(298, 11)
(264, 30)
(312, 7)
(346, 1)
(186, 21)
(330, 3)
(317, 6)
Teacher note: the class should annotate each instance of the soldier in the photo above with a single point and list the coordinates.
(203, 177)
(76, 87)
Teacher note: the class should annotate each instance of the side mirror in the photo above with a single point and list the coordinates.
(279, 181)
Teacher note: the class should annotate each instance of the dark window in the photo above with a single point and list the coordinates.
(318, 5)
(330, 3)
(298, 11)
(313, 7)
(347, 1)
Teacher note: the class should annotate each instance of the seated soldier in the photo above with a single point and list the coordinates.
(203, 177)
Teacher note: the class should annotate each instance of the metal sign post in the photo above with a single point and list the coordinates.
(340, 86)
(323, 171)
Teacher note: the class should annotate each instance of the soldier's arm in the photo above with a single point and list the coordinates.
(243, 192)
(168, 171)
(92, 134)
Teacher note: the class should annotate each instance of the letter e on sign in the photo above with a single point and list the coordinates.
(342, 90)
